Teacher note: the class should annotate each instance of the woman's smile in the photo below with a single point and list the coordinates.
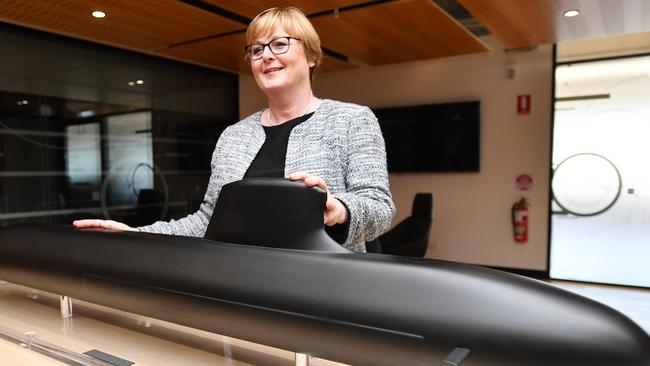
(271, 70)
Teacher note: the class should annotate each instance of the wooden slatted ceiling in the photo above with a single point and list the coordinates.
(518, 23)
(142, 25)
(250, 8)
(397, 31)
(527, 23)
(381, 33)
(227, 53)
(333, 64)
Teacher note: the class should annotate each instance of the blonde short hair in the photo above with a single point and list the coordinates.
(294, 21)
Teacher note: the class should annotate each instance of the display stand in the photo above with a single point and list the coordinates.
(41, 324)
(31, 341)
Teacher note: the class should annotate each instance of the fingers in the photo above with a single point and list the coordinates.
(298, 175)
(102, 224)
(310, 180)
(88, 223)
(329, 217)
(335, 212)
(330, 203)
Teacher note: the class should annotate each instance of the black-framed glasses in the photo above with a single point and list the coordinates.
(277, 46)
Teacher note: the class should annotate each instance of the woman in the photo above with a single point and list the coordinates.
(336, 146)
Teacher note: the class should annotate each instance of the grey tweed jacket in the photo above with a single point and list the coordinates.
(340, 142)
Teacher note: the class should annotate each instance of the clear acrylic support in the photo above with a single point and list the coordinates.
(66, 306)
(30, 341)
(303, 359)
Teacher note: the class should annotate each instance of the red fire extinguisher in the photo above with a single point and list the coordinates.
(520, 220)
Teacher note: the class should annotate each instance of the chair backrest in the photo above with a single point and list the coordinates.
(271, 212)
(151, 207)
(411, 236)
(422, 205)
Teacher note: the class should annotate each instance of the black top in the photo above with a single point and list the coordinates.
(269, 163)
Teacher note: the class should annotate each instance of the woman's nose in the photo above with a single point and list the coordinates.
(267, 54)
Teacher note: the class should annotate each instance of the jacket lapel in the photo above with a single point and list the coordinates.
(251, 145)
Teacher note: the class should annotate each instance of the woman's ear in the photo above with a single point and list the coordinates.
(311, 62)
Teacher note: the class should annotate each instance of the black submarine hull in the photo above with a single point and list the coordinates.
(361, 309)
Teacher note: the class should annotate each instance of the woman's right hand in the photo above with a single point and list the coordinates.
(102, 224)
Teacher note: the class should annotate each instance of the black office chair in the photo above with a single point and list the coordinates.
(151, 207)
(411, 236)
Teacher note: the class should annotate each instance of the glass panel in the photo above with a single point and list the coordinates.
(601, 181)
(92, 131)
(83, 158)
(130, 163)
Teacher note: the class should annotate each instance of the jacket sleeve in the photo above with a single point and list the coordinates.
(197, 223)
(367, 194)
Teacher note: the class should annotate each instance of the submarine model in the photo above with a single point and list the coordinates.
(270, 274)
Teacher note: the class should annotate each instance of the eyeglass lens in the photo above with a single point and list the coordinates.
(277, 46)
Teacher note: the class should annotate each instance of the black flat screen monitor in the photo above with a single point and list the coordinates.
(432, 138)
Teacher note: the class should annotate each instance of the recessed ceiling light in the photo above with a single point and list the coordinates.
(22, 102)
(131, 83)
(139, 82)
(98, 14)
(571, 13)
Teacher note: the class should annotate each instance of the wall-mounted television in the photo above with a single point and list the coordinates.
(432, 138)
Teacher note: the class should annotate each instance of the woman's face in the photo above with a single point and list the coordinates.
(285, 72)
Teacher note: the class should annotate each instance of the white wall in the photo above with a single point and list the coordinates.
(471, 210)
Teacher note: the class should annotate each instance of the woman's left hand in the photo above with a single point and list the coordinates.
(335, 212)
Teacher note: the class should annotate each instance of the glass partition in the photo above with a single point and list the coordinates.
(93, 131)
(601, 174)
